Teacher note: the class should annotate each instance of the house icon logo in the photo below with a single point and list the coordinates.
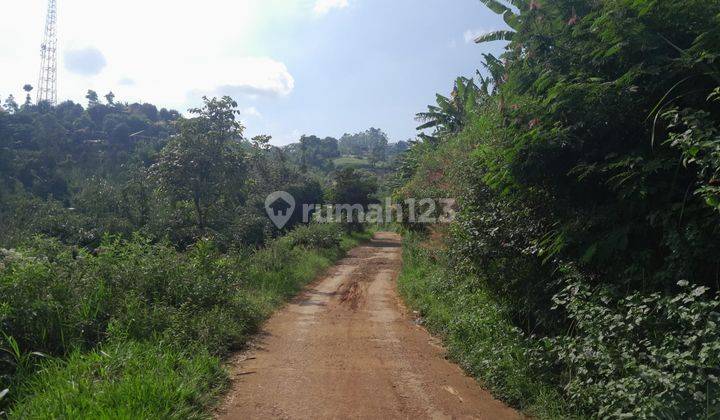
(280, 206)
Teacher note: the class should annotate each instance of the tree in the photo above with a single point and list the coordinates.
(261, 142)
(316, 152)
(110, 98)
(150, 111)
(27, 88)
(378, 154)
(11, 105)
(353, 191)
(362, 144)
(204, 164)
(92, 98)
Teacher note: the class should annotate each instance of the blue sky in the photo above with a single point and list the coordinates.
(295, 67)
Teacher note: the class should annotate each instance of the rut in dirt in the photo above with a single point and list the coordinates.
(346, 348)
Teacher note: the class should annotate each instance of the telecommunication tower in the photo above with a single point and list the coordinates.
(47, 83)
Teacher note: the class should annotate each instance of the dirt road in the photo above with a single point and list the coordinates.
(346, 348)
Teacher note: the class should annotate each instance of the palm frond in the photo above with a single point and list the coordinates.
(512, 20)
(520, 4)
(495, 36)
(495, 6)
(429, 124)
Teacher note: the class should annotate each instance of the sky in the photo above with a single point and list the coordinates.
(295, 67)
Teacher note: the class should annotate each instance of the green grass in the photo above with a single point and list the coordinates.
(477, 331)
(351, 162)
(127, 380)
(139, 331)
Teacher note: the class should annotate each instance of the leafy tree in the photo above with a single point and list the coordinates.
(317, 152)
(353, 188)
(204, 164)
(261, 142)
(150, 111)
(10, 104)
(27, 88)
(92, 98)
(361, 144)
(378, 154)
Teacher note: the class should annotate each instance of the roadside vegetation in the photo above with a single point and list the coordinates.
(143, 326)
(580, 277)
(135, 253)
(477, 328)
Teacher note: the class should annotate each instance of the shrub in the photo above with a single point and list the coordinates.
(317, 236)
(66, 302)
(478, 330)
(641, 355)
(71, 299)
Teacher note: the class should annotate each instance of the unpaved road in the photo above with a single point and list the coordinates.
(346, 348)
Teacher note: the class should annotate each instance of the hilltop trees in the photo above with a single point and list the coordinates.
(28, 88)
(362, 144)
(317, 152)
(92, 98)
(370, 149)
(79, 173)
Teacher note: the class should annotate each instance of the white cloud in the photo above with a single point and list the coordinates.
(87, 61)
(248, 77)
(253, 77)
(250, 111)
(322, 7)
(471, 34)
(169, 54)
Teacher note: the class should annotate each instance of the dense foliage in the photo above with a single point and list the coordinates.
(79, 173)
(585, 162)
(137, 297)
(135, 252)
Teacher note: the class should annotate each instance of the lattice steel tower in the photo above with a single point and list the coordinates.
(47, 83)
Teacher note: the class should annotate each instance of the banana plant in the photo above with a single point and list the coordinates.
(449, 115)
(511, 18)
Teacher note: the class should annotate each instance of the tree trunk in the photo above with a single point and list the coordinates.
(199, 214)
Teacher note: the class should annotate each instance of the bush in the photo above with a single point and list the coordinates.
(585, 164)
(59, 301)
(478, 330)
(317, 236)
(641, 355)
(132, 288)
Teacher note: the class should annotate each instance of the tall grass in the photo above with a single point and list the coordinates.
(137, 328)
(124, 380)
(477, 330)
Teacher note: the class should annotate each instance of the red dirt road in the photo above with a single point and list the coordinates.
(346, 348)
